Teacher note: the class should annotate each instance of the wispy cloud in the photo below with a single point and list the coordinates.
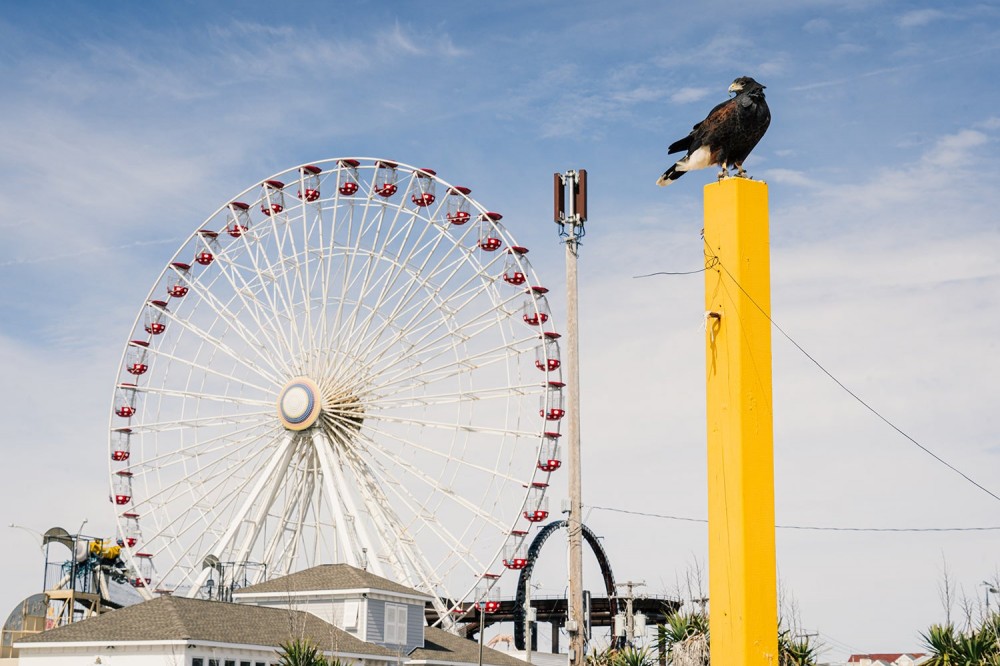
(688, 95)
(920, 17)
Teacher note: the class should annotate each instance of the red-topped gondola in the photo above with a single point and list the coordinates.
(272, 199)
(310, 182)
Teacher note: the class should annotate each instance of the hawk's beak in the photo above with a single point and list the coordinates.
(735, 88)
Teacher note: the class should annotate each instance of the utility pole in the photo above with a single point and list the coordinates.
(629, 615)
(570, 212)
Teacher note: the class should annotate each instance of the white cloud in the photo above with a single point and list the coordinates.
(818, 25)
(788, 177)
(688, 95)
(920, 17)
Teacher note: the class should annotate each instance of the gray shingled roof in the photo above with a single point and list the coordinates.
(328, 577)
(179, 618)
(439, 645)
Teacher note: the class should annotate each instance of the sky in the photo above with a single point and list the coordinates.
(125, 126)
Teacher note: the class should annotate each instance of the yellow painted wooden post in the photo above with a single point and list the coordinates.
(742, 579)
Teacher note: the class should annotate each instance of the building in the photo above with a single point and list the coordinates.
(888, 659)
(348, 613)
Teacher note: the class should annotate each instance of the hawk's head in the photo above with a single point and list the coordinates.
(745, 84)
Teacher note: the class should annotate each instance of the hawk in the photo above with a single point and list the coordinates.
(726, 136)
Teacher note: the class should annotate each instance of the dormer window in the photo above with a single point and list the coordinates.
(395, 624)
(351, 611)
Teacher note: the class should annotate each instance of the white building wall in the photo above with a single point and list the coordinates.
(161, 655)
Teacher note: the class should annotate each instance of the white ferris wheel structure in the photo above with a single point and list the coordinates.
(350, 361)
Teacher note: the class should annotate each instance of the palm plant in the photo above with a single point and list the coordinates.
(941, 640)
(601, 657)
(630, 656)
(685, 638)
(300, 652)
(795, 650)
(976, 648)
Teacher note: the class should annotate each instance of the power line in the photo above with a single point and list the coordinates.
(817, 528)
(714, 260)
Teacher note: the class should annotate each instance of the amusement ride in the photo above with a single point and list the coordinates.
(349, 361)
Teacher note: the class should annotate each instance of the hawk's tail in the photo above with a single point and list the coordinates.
(670, 175)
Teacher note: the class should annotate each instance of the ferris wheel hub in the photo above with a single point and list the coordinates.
(299, 404)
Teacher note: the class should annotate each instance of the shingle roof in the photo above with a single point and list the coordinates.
(439, 646)
(327, 577)
(179, 618)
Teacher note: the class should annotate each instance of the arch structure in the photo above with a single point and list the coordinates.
(525, 577)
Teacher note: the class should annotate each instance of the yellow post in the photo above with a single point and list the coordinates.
(742, 579)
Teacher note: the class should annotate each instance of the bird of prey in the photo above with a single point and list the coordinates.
(726, 136)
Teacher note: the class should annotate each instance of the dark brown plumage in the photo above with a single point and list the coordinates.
(726, 136)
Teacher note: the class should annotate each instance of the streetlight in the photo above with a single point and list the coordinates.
(34, 533)
(989, 588)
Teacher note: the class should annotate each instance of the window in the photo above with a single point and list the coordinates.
(395, 624)
(244, 663)
(230, 662)
(213, 662)
(351, 609)
(197, 661)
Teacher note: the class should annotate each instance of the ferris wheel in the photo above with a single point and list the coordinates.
(350, 361)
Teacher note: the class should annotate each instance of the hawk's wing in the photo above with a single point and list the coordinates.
(713, 118)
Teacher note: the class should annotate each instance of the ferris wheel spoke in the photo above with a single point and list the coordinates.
(245, 436)
(347, 274)
(292, 280)
(266, 330)
(397, 265)
(199, 493)
(266, 485)
(193, 396)
(390, 550)
(472, 325)
(458, 398)
(452, 427)
(429, 306)
(258, 520)
(314, 272)
(233, 323)
(294, 514)
(397, 230)
(433, 484)
(371, 445)
(408, 562)
(197, 422)
(365, 271)
(352, 532)
(200, 513)
(410, 289)
(426, 516)
(330, 261)
(459, 364)
(262, 286)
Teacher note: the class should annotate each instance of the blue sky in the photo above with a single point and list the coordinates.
(124, 126)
